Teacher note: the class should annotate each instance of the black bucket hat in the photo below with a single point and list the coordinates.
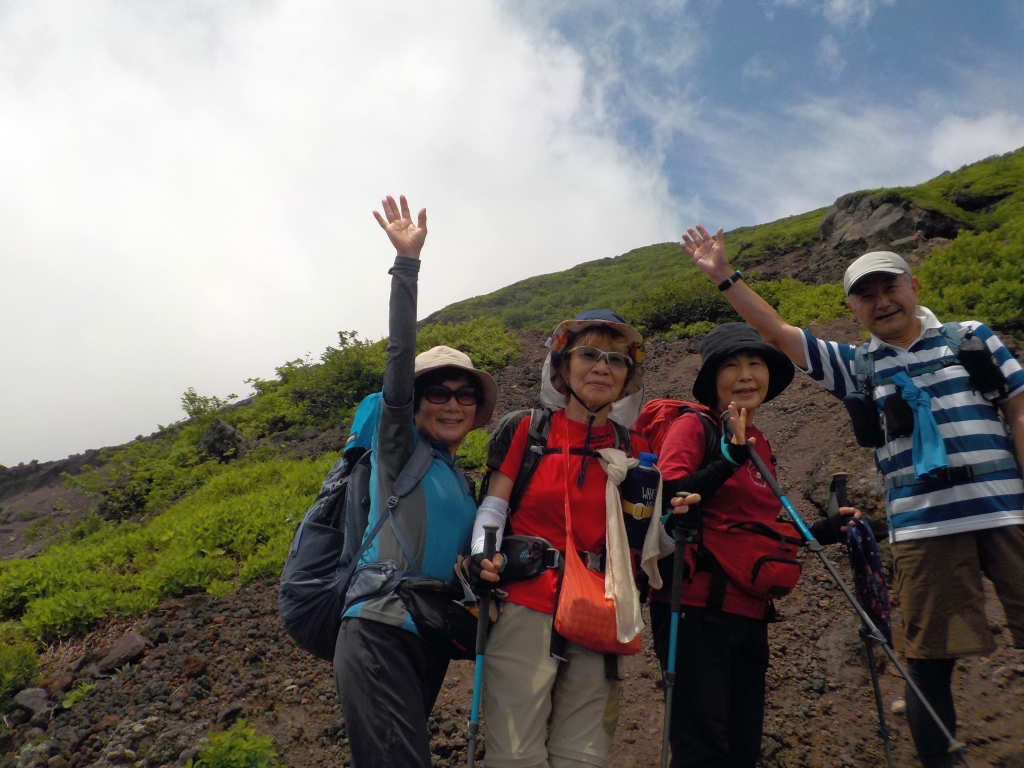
(724, 342)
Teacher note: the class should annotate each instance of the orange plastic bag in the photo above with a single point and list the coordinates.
(584, 615)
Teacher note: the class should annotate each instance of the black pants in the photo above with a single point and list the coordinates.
(387, 681)
(718, 702)
(934, 678)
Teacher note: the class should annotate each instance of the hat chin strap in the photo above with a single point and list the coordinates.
(592, 413)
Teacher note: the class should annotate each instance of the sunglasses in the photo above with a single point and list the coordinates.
(439, 394)
(593, 355)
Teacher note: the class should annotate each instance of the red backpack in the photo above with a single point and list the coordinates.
(758, 558)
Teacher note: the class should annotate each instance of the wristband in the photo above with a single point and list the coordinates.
(728, 454)
(730, 281)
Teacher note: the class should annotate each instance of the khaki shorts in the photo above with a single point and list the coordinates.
(942, 597)
(539, 712)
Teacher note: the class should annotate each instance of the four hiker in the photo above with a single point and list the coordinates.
(550, 696)
(953, 487)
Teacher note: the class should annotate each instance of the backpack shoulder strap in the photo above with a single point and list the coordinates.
(951, 332)
(623, 441)
(536, 440)
(863, 367)
(712, 434)
(413, 471)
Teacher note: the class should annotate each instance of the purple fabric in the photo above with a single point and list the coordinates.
(869, 583)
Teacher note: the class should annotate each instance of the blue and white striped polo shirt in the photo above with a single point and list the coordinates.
(968, 422)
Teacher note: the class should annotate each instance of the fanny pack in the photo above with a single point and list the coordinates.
(527, 557)
(436, 607)
(759, 558)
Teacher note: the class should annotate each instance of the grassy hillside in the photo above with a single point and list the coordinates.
(540, 303)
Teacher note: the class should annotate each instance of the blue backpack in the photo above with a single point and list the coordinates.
(329, 540)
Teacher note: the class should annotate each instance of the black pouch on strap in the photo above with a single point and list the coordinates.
(865, 420)
(441, 618)
(899, 416)
(526, 557)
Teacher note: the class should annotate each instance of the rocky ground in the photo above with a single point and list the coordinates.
(199, 663)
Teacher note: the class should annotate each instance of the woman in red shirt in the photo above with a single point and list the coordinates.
(548, 701)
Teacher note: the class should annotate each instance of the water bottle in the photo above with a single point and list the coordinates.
(638, 492)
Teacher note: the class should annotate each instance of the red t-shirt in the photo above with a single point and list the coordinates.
(542, 509)
(744, 496)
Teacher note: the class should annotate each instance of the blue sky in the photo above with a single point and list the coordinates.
(187, 185)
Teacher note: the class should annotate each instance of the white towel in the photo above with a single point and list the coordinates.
(618, 571)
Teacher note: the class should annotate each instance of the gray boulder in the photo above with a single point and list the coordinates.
(34, 700)
(860, 222)
(126, 650)
(222, 442)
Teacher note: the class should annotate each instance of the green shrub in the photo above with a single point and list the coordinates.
(978, 277)
(75, 696)
(684, 331)
(18, 667)
(472, 454)
(677, 302)
(234, 529)
(237, 747)
(801, 304)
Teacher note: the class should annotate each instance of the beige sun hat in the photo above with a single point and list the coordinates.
(446, 357)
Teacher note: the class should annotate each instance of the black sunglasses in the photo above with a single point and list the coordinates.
(439, 394)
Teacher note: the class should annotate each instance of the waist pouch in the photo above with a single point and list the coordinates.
(527, 557)
(759, 558)
(435, 606)
(864, 418)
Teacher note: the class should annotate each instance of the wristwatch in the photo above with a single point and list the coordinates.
(730, 281)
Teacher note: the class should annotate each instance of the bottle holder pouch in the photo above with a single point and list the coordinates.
(898, 415)
(864, 418)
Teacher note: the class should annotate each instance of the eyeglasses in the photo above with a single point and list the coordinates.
(439, 394)
(593, 355)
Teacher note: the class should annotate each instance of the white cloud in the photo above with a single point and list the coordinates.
(830, 58)
(840, 12)
(756, 68)
(187, 190)
(960, 140)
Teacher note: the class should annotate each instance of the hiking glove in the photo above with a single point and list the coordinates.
(474, 569)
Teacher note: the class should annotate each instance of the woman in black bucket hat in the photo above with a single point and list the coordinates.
(719, 695)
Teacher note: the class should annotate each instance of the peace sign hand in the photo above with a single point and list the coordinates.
(408, 238)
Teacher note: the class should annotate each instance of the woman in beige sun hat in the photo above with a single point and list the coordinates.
(387, 673)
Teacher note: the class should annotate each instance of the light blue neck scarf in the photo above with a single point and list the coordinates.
(929, 450)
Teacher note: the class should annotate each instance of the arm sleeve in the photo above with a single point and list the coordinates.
(395, 434)
(680, 462)
(830, 364)
(492, 511)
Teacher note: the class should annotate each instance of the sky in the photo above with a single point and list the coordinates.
(186, 186)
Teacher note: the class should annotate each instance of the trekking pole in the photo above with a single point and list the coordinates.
(482, 619)
(678, 572)
(838, 499)
(953, 746)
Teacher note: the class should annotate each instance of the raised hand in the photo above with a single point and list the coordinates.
(707, 253)
(407, 237)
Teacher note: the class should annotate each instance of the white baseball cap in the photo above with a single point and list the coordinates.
(869, 263)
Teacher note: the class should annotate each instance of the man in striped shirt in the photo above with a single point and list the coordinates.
(953, 514)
